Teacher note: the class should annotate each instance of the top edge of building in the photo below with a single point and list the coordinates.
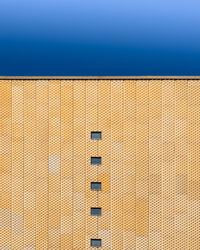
(99, 77)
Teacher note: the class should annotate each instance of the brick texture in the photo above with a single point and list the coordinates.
(150, 174)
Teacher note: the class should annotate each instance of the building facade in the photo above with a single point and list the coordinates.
(108, 162)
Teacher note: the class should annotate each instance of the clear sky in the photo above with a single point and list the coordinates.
(99, 37)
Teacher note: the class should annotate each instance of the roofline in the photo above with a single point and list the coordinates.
(99, 77)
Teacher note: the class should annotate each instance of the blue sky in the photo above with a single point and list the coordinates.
(100, 37)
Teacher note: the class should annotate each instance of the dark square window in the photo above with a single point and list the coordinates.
(96, 135)
(96, 185)
(95, 211)
(96, 160)
(95, 242)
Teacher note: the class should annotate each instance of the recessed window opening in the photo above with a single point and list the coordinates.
(95, 160)
(95, 211)
(96, 185)
(95, 242)
(96, 135)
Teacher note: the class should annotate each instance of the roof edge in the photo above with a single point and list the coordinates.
(99, 77)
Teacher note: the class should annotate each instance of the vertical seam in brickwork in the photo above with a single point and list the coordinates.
(23, 164)
(135, 157)
(123, 82)
(86, 136)
(35, 159)
(187, 163)
(174, 181)
(60, 164)
(36, 163)
(73, 167)
(85, 156)
(162, 165)
(111, 161)
(110, 95)
(11, 160)
(148, 163)
(48, 173)
(135, 162)
(175, 151)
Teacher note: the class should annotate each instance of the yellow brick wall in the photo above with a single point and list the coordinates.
(150, 170)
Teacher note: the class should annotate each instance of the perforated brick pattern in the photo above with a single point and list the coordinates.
(150, 171)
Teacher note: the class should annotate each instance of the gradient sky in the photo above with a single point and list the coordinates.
(99, 37)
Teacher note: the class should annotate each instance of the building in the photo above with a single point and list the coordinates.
(111, 162)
